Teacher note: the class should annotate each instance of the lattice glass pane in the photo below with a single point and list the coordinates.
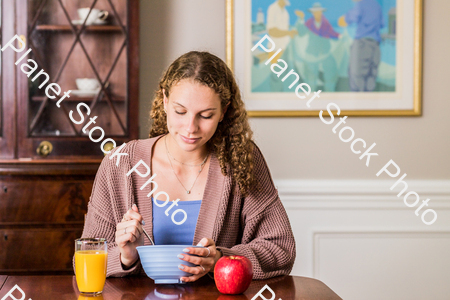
(81, 45)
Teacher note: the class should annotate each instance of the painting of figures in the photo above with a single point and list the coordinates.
(363, 55)
(334, 45)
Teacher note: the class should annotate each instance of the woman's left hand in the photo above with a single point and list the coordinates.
(205, 260)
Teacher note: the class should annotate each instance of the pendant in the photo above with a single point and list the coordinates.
(188, 192)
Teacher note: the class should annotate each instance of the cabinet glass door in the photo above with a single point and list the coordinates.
(7, 82)
(1, 75)
(74, 81)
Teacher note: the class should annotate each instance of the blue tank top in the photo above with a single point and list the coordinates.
(166, 232)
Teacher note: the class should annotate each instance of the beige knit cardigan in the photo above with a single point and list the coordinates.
(255, 226)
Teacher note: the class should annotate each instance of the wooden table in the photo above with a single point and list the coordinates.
(136, 288)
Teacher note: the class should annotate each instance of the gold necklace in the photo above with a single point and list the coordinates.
(171, 166)
(189, 165)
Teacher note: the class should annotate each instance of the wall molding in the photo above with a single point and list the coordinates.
(359, 194)
(317, 235)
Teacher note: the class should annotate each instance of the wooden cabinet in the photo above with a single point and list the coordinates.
(48, 159)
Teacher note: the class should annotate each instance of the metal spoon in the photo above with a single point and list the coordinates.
(146, 234)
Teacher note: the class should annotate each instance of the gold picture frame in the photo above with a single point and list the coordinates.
(414, 99)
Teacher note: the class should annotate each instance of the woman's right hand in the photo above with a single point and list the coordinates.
(129, 236)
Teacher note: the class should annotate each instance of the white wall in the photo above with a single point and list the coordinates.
(358, 243)
(365, 243)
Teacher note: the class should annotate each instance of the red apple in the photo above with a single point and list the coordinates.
(233, 274)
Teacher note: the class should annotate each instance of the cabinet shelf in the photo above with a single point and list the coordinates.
(68, 28)
(79, 99)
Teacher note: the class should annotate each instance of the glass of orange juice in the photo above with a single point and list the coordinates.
(91, 255)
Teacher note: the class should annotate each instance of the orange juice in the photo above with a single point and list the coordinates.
(90, 270)
(89, 297)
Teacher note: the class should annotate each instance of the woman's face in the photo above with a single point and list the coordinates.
(193, 113)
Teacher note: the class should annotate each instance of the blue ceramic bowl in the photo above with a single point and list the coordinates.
(160, 262)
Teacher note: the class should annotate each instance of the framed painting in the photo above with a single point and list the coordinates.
(292, 58)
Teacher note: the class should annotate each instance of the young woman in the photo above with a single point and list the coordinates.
(200, 151)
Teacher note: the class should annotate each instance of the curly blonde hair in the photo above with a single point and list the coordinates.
(232, 142)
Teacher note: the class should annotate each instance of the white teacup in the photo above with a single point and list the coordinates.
(96, 14)
(87, 84)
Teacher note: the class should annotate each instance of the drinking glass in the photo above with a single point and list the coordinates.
(91, 256)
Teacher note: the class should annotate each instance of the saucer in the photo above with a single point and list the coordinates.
(96, 22)
(83, 93)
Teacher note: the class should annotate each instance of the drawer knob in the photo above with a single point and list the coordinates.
(44, 148)
(5, 237)
(5, 189)
(108, 147)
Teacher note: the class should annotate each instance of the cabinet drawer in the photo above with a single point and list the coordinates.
(30, 199)
(38, 250)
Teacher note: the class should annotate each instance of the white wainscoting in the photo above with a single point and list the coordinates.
(360, 239)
